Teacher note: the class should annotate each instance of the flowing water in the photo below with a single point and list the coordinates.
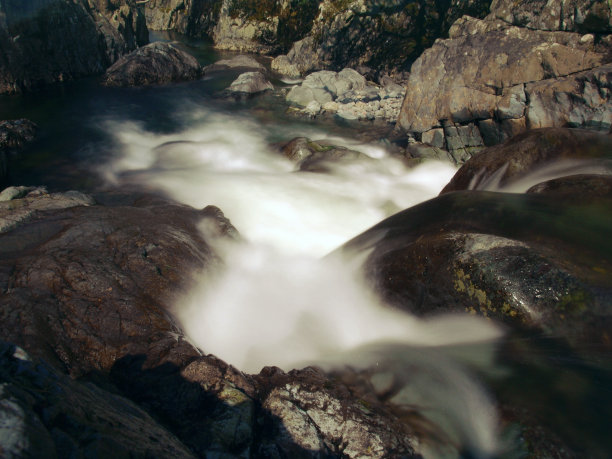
(278, 300)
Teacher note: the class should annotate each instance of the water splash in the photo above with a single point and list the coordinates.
(552, 170)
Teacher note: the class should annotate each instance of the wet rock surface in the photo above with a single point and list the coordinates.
(505, 166)
(156, 63)
(318, 156)
(71, 40)
(500, 255)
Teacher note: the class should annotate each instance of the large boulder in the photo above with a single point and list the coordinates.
(517, 258)
(71, 39)
(496, 80)
(156, 63)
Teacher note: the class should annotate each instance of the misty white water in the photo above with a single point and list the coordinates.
(278, 301)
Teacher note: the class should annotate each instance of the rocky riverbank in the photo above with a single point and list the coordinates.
(69, 39)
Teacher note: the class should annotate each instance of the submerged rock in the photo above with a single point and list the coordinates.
(156, 63)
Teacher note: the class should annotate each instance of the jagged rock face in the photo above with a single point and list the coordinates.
(194, 18)
(593, 16)
(156, 63)
(383, 35)
(269, 26)
(490, 81)
(70, 40)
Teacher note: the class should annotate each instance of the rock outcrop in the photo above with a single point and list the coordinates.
(492, 80)
(264, 27)
(156, 63)
(71, 39)
(385, 36)
(573, 16)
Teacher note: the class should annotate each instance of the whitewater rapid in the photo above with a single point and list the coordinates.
(279, 301)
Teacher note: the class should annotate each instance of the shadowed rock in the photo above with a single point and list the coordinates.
(156, 63)
(70, 39)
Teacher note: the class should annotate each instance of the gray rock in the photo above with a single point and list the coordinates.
(156, 63)
(434, 137)
(348, 95)
(19, 204)
(250, 83)
(301, 59)
(304, 95)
